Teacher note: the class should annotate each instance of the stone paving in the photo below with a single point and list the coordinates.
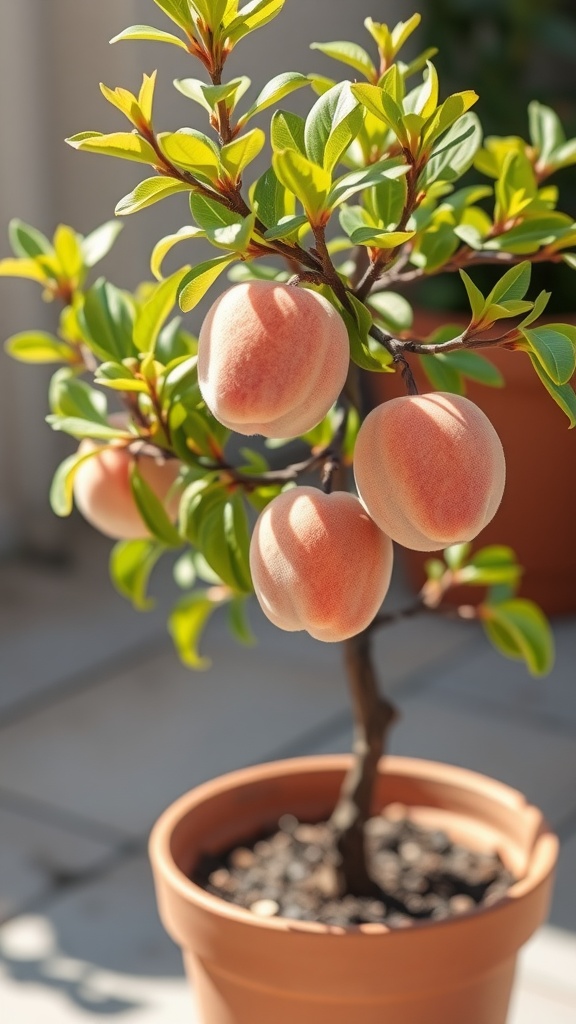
(100, 728)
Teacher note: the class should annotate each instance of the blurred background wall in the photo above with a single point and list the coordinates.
(53, 54)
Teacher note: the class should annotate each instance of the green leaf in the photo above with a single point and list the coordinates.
(193, 151)
(155, 311)
(200, 279)
(209, 96)
(80, 428)
(62, 488)
(186, 623)
(236, 155)
(131, 563)
(148, 192)
(125, 145)
(394, 309)
(238, 622)
(148, 32)
(163, 247)
(309, 182)
(99, 242)
(562, 394)
(274, 91)
(107, 321)
(71, 397)
(286, 226)
(475, 297)
(454, 155)
(331, 125)
(456, 555)
(554, 347)
(570, 259)
(476, 367)
(379, 174)
(526, 631)
(234, 236)
(152, 510)
(513, 285)
(178, 11)
(441, 374)
(491, 566)
(348, 53)
(287, 132)
(28, 242)
(252, 16)
(381, 104)
(38, 347)
(380, 239)
(546, 132)
(529, 236)
(447, 114)
(375, 358)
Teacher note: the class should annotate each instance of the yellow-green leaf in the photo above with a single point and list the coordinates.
(163, 247)
(38, 347)
(191, 150)
(238, 154)
(125, 145)
(155, 311)
(309, 182)
(30, 269)
(147, 32)
(148, 192)
(199, 280)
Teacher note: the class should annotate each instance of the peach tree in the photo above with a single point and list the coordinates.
(359, 200)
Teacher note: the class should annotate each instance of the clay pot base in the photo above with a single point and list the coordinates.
(421, 872)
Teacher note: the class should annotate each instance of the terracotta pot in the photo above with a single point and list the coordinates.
(246, 970)
(538, 511)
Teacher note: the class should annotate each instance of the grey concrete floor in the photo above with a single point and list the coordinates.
(101, 728)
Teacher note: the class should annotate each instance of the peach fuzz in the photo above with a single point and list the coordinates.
(272, 358)
(319, 563)
(103, 495)
(429, 469)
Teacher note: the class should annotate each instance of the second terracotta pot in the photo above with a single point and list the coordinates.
(246, 970)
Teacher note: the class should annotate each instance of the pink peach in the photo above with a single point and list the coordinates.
(272, 358)
(103, 495)
(429, 469)
(319, 563)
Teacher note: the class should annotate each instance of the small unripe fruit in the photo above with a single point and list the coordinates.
(103, 495)
(319, 563)
(430, 469)
(272, 358)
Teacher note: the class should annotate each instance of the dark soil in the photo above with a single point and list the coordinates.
(289, 872)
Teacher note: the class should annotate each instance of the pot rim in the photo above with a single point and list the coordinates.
(541, 863)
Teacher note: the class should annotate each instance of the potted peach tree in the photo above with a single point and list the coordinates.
(385, 924)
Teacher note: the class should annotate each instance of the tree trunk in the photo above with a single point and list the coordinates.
(373, 717)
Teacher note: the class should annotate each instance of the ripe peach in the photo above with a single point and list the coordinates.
(103, 494)
(319, 563)
(429, 469)
(272, 358)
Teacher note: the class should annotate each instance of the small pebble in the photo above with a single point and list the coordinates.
(461, 904)
(265, 908)
(221, 879)
(410, 852)
(288, 823)
(242, 858)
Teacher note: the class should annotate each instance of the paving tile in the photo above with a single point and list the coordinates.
(539, 762)
(563, 911)
(95, 952)
(120, 752)
(506, 685)
(59, 625)
(33, 852)
(548, 962)
(531, 1006)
